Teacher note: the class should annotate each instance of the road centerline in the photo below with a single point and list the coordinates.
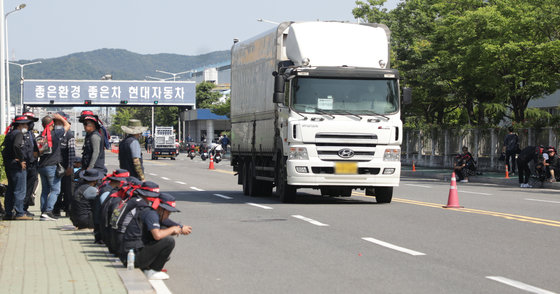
(179, 182)
(392, 246)
(197, 189)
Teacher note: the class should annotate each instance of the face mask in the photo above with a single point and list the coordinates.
(24, 130)
(58, 127)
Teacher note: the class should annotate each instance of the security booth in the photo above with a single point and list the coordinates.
(202, 124)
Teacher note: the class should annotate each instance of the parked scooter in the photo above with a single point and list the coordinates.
(204, 152)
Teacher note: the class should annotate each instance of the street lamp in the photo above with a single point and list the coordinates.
(159, 79)
(267, 21)
(6, 54)
(21, 79)
(173, 74)
(178, 114)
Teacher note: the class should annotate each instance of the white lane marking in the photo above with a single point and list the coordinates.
(421, 186)
(197, 189)
(394, 247)
(167, 179)
(179, 182)
(548, 201)
(160, 287)
(223, 196)
(519, 285)
(311, 221)
(477, 193)
(258, 205)
(152, 174)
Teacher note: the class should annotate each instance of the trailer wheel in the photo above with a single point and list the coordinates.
(383, 194)
(287, 193)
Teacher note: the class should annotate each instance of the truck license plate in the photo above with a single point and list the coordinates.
(349, 168)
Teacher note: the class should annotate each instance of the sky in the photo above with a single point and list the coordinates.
(54, 28)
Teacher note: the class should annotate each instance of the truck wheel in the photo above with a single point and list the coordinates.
(265, 188)
(244, 178)
(346, 192)
(287, 193)
(383, 194)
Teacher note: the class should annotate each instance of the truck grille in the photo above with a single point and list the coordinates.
(329, 145)
(330, 170)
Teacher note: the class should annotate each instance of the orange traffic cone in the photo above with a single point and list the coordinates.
(413, 166)
(453, 200)
(211, 162)
(507, 173)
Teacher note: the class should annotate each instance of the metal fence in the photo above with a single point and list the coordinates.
(438, 147)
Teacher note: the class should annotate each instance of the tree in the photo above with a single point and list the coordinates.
(223, 108)
(205, 97)
(469, 61)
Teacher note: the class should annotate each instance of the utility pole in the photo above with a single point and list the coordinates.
(3, 113)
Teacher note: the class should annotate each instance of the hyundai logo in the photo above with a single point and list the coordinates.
(346, 153)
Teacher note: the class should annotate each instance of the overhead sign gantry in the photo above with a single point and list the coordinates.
(108, 93)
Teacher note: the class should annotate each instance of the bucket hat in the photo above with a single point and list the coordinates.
(148, 189)
(134, 127)
(167, 202)
(91, 174)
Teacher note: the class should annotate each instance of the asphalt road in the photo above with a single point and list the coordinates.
(505, 240)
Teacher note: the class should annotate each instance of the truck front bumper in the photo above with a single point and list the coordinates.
(322, 173)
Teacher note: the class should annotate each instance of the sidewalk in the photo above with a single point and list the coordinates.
(486, 177)
(42, 257)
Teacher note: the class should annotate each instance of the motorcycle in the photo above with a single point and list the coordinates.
(217, 156)
(204, 153)
(192, 153)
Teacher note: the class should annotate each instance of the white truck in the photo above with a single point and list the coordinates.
(316, 105)
(164, 143)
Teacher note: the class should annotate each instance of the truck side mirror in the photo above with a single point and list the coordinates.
(407, 96)
(279, 82)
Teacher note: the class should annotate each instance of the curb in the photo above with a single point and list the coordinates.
(134, 281)
(446, 176)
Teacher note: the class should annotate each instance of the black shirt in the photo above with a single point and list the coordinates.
(55, 157)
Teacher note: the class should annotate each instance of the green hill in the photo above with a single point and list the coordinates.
(122, 64)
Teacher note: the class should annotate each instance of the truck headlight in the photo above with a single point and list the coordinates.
(298, 153)
(392, 155)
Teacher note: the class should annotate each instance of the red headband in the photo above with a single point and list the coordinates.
(21, 118)
(87, 112)
(47, 133)
(90, 118)
(155, 202)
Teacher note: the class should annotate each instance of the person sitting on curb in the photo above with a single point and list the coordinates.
(111, 184)
(82, 203)
(150, 238)
(552, 164)
(465, 165)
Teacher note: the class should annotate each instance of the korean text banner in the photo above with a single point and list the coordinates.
(111, 92)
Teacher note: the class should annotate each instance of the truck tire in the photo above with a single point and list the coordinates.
(250, 184)
(383, 194)
(287, 193)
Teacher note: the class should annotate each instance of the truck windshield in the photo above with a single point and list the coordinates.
(316, 95)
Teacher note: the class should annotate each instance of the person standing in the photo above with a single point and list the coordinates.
(48, 163)
(31, 158)
(511, 148)
(130, 153)
(526, 155)
(68, 152)
(93, 152)
(225, 143)
(13, 155)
